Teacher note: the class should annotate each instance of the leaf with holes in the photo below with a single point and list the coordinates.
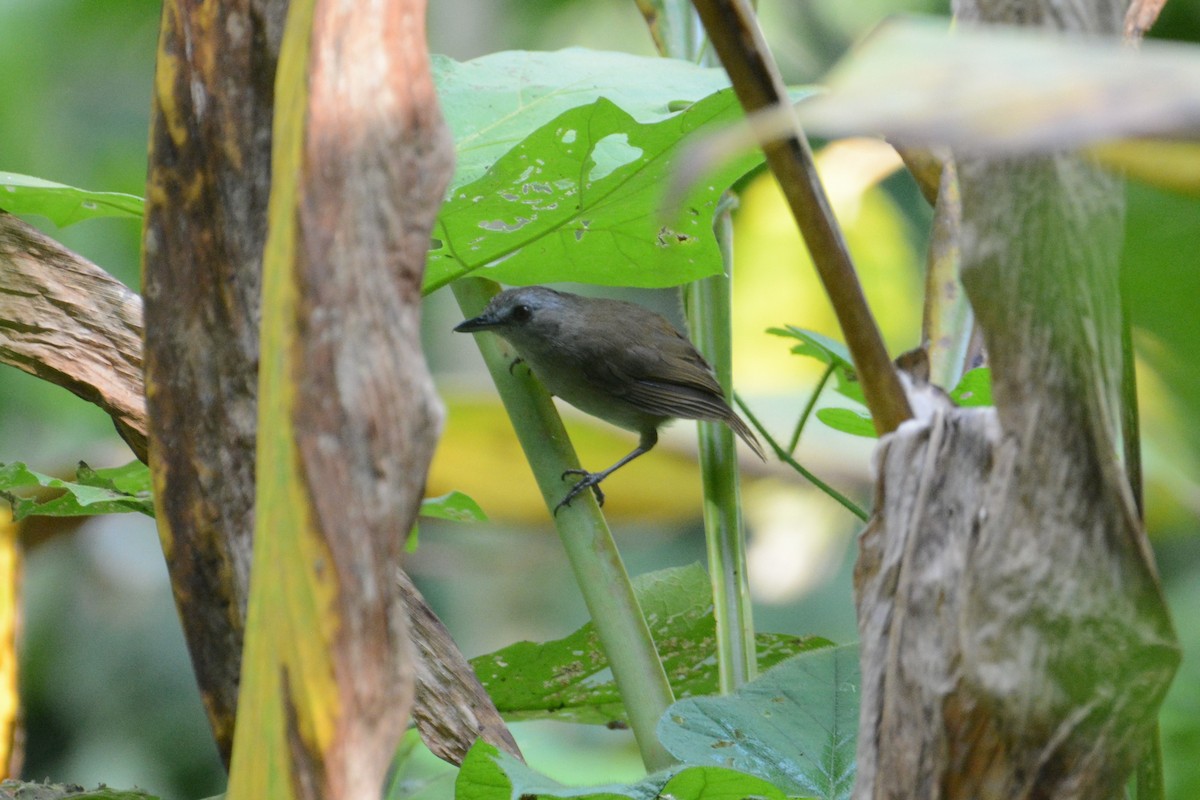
(488, 774)
(578, 200)
(101, 491)
(794, 727)
(493, 102)
(569, 679)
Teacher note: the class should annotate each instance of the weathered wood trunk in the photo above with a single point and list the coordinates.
(205, 228)
(206, 225)
(1015, 639)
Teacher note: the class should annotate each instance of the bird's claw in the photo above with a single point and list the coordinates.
(589, 479)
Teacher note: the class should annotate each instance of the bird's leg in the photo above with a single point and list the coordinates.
(592, 479)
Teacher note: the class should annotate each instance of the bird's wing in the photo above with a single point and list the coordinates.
(662, 374)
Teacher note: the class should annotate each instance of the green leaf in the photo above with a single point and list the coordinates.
(63, 205)
(718, 783)
(488, 774)
(455, 506)
(847, 420)
(107, 491)
(975, 388)
(795, 726)
(131, 479)
(569, 679)
(494, 102)
(827, 351)
(578, 199)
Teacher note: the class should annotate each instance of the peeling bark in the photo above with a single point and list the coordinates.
(67, 321)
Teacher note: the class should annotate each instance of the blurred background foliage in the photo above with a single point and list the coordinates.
(108, 690)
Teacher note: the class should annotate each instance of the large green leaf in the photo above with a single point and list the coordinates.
(569, 679)
(95, 491)
(795, 726)
(61, 204)
(580, 198)
(493, 102)
(488, 774)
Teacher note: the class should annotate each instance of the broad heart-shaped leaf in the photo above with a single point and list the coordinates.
(569, 679)
(795, 726)
(827, 351)
(493, 102)
(61, 204)
(579, 200)
(102, 491)
(488, 774)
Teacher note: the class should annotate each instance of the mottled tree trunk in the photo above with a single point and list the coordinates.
(206, 225)
(1015, 639)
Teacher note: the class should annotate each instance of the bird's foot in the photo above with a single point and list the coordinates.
(588, 479)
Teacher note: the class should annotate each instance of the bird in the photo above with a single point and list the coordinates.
(612, 359)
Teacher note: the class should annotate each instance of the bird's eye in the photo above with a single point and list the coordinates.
(522, 313)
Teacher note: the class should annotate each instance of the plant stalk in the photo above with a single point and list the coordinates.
(709, 310)
(733, 30)
(599, 571)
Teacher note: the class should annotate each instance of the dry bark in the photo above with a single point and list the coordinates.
(67, 321)
(209, 180)
(363, 162)
(1016, 643)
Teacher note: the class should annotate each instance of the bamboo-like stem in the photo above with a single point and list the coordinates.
(599, 571)
(709, 309)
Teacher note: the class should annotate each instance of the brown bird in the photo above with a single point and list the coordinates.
(615, 360)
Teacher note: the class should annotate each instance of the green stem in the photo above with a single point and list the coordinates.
(808, 409)
(791, 462)
(599, 571)
(709, 310)
(678, 33)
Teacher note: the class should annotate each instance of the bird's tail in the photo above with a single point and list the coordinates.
(743, 430)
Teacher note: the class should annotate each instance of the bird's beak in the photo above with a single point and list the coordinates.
(481, 323)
